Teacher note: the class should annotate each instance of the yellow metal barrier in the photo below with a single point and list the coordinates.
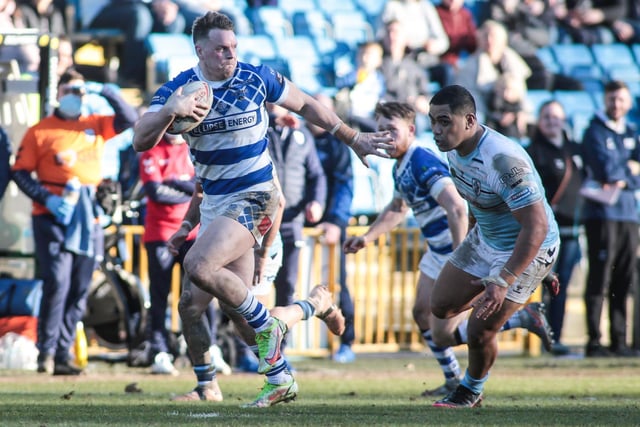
(381, 279)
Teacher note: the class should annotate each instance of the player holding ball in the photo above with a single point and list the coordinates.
(236, 174)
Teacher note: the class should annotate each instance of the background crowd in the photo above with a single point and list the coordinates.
(576, 115)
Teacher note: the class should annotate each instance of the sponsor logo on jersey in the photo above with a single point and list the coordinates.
(226, 124)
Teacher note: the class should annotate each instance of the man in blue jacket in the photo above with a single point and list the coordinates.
(612, 158)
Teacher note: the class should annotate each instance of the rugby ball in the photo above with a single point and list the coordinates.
(185, 124)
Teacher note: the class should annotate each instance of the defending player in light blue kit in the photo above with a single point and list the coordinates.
(510, 249)
(235, 173)
(422, 183)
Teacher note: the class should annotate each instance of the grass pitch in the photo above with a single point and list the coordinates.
(375, 390)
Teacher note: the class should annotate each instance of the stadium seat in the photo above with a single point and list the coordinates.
(578, 123)
(575, 101)
(611, 56)
(571, 55)
(292, 7)
(271, 21)
(351, 27)
(545, 54)
(311, 23)
(628, 73)
(535, 98)
(258, 46)
(168, 55)
(330, 7)
(635, 49)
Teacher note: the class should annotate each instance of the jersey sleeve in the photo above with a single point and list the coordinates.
(513, 179)
(276, 84)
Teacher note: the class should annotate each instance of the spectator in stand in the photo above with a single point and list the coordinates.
(425, 33)
(43, 15)
(531, 25)
(627, 29)
(590, 22)
(405, 80)
(68, 237)
(612, 158)
(336, 162)
(136, 20)
(493, 58)
(191, 9)
(459, 24)
(167, 17)
(557, 158)
(27, 56)
(365, 86)
(507, 112)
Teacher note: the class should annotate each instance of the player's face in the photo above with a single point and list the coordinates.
(450, 131)
(402, 133)
(217, 54)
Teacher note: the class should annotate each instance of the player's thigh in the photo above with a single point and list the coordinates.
(223, 241)
(424, 288)
(453, 292)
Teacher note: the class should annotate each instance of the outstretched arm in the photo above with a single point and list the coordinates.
(362, 144)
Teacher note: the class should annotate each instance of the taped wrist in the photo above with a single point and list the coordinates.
(496, 280)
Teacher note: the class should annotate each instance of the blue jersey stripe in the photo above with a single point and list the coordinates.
(229, 156)
(435, 227)
(233, 185)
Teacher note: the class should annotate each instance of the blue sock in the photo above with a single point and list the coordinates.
(445, 356)
(205, 374)
(254, 312)
(473, 384)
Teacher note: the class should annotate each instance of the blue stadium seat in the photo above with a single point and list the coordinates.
(329, 7)
(312, 23)
(628, 73)
(545, 54)
(290, 7)
(270, 20)
(535, 98)
(575, 101)
(614, 55)
(569, 56)
(578, 123)
(351, 27)
(635, 49)
(258, 46)
(305, 63)
(168, 55)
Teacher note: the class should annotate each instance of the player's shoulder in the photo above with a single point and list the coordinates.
(181, 79)
(265, 72)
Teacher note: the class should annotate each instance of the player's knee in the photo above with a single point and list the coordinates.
(198, 269)
(188, 311)
(421, 316)
(440, 311)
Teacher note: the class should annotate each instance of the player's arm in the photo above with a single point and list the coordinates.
(316, 113)
(389, 218)
(153, 124)
(191, 219)
(456, 210)
(535, 226)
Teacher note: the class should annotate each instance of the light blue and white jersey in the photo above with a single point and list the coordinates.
(229, 148)
(498, 177)
(419, 178)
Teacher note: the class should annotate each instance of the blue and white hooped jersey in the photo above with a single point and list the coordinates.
(498, 177)
(229, 148)
(418, 179)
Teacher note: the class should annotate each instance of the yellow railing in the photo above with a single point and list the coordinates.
(381, 279)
